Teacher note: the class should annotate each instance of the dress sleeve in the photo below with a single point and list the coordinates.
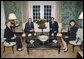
(8, 34)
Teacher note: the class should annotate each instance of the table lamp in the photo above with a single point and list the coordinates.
(12, 17)
(81, 18)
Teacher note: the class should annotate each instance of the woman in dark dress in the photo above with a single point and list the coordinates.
(11, 37)
(71, 35)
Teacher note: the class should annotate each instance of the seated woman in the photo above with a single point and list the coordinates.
(29, 28)
(11, 37)
(71, 35)
(53, 28)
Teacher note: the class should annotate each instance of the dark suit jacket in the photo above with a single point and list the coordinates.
(27, 27)
(54, 26)
(72, 32)
(8, 34)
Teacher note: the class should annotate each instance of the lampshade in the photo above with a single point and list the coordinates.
(12, 16)
(81, 16)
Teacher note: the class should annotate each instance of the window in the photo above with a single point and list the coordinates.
(41, 10)
(36, 12)
(47, 12)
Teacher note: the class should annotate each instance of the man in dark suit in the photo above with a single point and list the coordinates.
(29, 28)
(53, 28)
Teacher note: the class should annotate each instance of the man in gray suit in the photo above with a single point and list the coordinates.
(29, 28)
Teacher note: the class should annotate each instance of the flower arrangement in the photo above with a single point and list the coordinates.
(40, 21)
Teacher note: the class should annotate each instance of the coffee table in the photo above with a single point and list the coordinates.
(38, 45)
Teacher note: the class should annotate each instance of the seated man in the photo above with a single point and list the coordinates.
(53, 28)
(29, 28)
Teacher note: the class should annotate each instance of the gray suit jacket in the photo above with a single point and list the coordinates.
(27, 27)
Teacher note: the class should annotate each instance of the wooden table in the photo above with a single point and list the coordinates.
(38, 45)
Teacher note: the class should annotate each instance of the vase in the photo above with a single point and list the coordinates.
(42, 25)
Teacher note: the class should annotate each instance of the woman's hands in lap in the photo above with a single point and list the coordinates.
(66, 37)
(14, 37)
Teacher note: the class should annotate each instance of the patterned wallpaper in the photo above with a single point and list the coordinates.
(13, 6)
(71, 11)
(79, 9)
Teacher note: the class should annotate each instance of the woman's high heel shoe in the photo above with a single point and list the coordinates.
(65, 50)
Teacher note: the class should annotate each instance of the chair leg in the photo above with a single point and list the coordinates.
(81, 47)
(13, 49)
(67, 44)
(22, 39)
(73, 48)
(4, 49)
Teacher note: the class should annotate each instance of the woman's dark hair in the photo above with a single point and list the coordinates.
(7, 22)
(72, 21)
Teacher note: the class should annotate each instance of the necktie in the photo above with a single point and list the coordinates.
(30, 26)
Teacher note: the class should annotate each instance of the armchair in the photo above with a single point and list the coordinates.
(79, 38)
(23, 35)
(9, 44)
(6, 44)
(59, 30)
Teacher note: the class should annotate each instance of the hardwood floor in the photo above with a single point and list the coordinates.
(39, 53)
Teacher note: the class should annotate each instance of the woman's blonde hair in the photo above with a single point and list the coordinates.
(7, 22)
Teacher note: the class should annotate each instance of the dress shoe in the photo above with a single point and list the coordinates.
(20, 50)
